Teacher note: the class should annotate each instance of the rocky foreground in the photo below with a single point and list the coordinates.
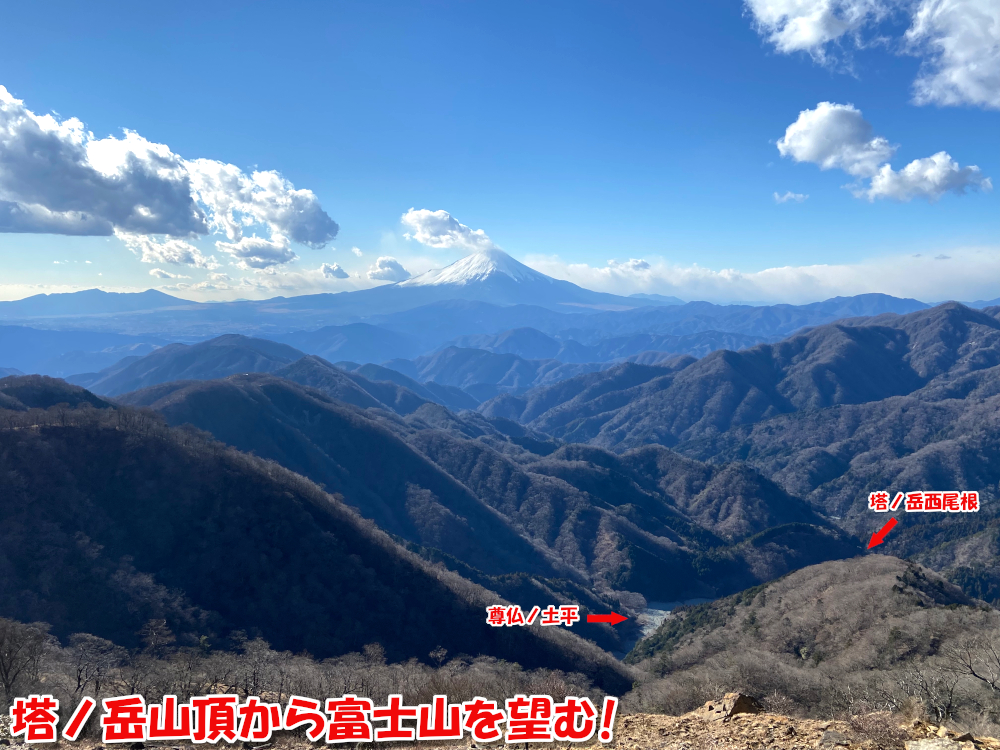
(737, 723)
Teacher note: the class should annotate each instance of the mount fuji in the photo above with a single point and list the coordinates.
(479, 267)
(495, 277)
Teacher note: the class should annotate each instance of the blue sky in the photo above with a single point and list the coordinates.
(572, 133)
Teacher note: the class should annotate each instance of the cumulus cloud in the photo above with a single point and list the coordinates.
(174, 251)
(161, 274)
(58, 178)
(439, 229)
(812, 25)
(258, 252)
(836, 136)
(387, 268)
(237, 200)
(928, 178)
(973, 275)
(357, 251)
(790, 196)
(958, 41)
(333, 271)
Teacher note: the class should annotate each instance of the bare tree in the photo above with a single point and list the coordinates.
(93, 661)
(978, 658)
(21, 649)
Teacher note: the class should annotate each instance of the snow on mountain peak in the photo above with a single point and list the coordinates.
(477, 267)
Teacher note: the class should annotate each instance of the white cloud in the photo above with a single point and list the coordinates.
(928, 178)
(387, 269)
(333, 271)
(972, 273)
(836, 136)
(357, 251)
(58, 178)
(258, 252)
(439, 229)
(790, 196)
(958, 41)
(812, 25)
(237, 200)
(177, 252)
(161, 274)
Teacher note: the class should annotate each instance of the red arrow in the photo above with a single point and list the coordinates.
(614, 618)
(879, 536)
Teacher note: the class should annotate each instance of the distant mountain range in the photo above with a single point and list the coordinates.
(487, 287)
(88, 302)
(530, 343)
(851, 362)
(62, 353)
(482, 365)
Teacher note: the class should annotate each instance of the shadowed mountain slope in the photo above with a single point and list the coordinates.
(112, 519)
(475, 370)
(352, 454)
(216, 358)
(22, 392)
(449, 396)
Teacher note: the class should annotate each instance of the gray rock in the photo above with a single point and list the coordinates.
(833, 738)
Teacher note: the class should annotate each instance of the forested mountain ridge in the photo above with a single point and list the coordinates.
(216, 358)
(353, 454)
(113, 519)
(849, 362)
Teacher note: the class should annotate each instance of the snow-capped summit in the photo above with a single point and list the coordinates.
(492, 276)
(478, 267)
